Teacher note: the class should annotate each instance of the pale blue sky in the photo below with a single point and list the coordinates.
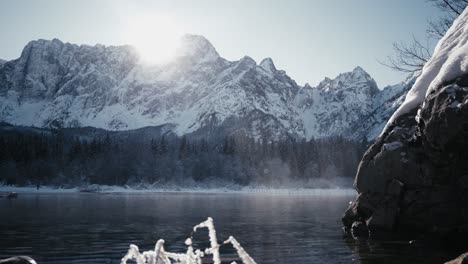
(308, 39)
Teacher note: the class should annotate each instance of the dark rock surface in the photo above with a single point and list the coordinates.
(415, 176)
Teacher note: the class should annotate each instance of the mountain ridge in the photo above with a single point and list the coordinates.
(56, 84)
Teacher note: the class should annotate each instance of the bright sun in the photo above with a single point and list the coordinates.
(156, 37)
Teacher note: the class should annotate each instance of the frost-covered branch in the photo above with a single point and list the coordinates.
(214, 250)
(133, 253)
(244, 256)
(160, 256)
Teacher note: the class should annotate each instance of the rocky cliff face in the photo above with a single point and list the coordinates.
(56, 84)
(415, 174)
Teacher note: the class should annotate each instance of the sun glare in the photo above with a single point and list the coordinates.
(156, 37)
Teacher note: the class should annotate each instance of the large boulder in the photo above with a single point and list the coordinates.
(415, 175)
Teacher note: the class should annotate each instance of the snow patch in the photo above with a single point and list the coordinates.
(449, 61)
(392, 145)
(268, 65)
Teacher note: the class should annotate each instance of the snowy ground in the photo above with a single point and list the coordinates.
(5, 189)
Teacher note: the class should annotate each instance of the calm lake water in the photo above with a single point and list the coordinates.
(273, 228)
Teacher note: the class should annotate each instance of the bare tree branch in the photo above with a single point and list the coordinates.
(408, 57)
(437, 28)
(450, 6)
(412, 57)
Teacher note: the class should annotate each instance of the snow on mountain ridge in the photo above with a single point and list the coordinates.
(62, 84)
(268, 65)
(198, 47)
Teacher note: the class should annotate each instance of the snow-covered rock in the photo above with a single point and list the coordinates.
(56, 84)
(450, 60)
(414, 176)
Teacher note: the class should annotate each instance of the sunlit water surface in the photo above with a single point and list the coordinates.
(273, 228)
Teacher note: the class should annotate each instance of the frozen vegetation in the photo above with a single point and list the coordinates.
(192, 256)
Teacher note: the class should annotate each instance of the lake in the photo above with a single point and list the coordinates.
(273, 228)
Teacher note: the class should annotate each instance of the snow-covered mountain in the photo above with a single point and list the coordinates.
(61, 84)
(384, 105)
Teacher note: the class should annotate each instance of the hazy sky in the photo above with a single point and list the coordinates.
(309, 39)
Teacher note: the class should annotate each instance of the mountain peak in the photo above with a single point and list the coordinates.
(56, 40)
(198, 47)
(40, 46)
(192, 38)
(268, 65)
(359, 69)
(43, 43)
(349, 80)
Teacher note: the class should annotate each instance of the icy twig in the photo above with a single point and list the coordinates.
(244, 256)
(160, 256)
(214, 250)
(133, 253)
(159, 253)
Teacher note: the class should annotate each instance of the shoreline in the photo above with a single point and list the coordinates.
(104, 189)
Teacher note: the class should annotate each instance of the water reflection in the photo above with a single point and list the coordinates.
(388, 248)
(97, 228)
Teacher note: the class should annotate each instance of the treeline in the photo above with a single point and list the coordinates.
(56, 159)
